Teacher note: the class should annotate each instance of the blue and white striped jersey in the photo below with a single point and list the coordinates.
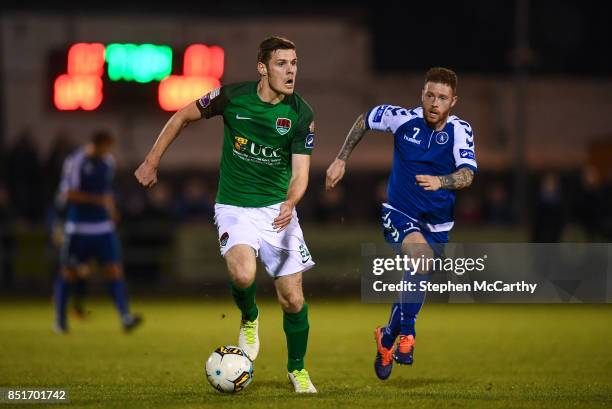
(88, 174)
(420, 150)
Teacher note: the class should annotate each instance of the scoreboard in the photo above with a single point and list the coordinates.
(93, 67)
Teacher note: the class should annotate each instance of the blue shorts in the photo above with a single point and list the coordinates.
(397, 225)
(81, 248)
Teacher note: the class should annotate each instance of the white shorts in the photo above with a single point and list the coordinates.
(281, 253)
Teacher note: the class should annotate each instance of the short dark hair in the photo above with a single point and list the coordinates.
(101, 137)
(271, 44)
(442, 76)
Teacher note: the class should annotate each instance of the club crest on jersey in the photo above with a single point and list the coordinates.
(441, 138)
(283, 125)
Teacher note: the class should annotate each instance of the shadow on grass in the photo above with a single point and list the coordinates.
(275, 388)
(258, 389)
(265, 386)
(414, 383)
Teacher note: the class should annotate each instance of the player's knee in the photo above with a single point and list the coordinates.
(242, 273)
(292, 303)
(243, 280)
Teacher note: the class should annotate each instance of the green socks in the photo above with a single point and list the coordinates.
(295, 325)
(296, 329)
(245, 300)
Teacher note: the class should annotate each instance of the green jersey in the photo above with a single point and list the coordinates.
(259, 139)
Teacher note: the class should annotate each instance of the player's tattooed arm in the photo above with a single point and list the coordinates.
(335, 171)
(353, 138)
(457, 180)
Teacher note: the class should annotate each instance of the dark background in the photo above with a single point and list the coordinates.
(525, 46)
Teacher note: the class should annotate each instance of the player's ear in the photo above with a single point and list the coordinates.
(454, 101)
(262, 69)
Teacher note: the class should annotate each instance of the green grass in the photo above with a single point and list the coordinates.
(467, 356)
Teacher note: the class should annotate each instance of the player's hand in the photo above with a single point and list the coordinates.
(334, 173)
(146, 173)
(429, 182)
(284, 216)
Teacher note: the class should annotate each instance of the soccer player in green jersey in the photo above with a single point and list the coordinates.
(268, 140)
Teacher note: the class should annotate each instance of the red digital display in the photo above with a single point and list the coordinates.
(86, 59)
(202, 72)
(82, 85)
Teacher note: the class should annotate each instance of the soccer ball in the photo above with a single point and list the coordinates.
(228, 369)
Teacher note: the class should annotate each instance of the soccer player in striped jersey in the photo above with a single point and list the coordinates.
(433, 157)
(86, 187)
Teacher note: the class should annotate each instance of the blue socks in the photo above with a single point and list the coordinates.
(118, 292)
(391, 331)
(404, 313)
(60, 298)
(63, 289)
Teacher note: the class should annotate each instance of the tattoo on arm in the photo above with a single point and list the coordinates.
(458, 180)
(353, 138)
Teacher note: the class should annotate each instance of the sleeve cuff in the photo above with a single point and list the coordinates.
(367, 120)
(468, 165)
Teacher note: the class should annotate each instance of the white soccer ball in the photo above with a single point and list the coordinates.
(228, 369)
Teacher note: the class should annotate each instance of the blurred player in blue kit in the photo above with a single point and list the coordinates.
(433, 156)
(86, 187)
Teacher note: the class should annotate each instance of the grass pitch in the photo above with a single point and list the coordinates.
(467, 356)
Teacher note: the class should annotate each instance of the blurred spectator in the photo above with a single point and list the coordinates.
(60, 149)
(381, 191)
(7, 239)
(498, 207)
(606, 208)
(133, 206)
(330, 206)
(24, 179)
(159, 204)
(148, 233)
(55, 209)
(54, 224)
(592, 207)
(196, 202)
(549, 217)
(377, 199)
(468, 209)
